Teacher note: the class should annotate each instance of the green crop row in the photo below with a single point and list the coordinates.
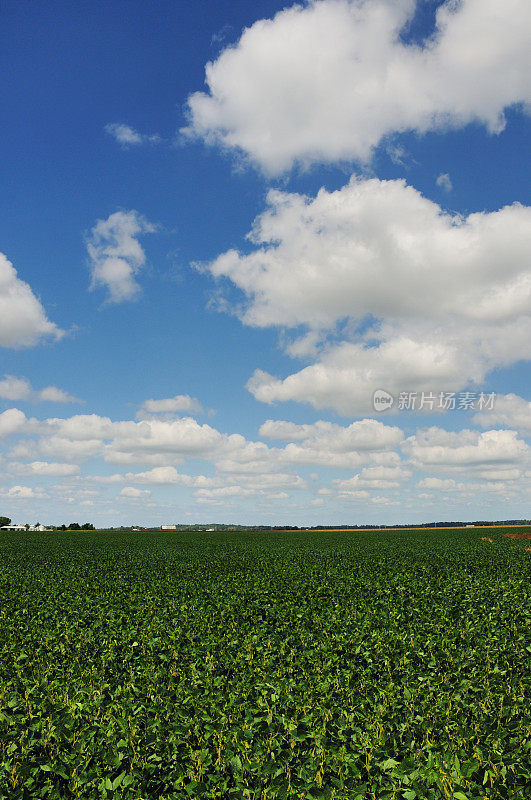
(264, 665)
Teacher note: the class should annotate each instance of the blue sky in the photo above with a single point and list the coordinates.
(206, 275)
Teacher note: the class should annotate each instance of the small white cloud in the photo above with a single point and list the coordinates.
(167, 475)
(24, 492)
(373, 478)
(115, 254)
(444, 182)
(53, 468)
(444, 484)
(131, 491)
(116, 478)
(23, 321)
(13, 388)
(384, 501)
(12, 421)
(177, 404)
(128, 137)
(45, 468)
(509, 410)
(396, 153)
(54, 395)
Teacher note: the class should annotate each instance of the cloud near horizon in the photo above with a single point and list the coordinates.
(356, 462)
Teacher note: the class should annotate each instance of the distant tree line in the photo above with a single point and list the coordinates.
(75, 526)
(345, 526)
(216, 526)
(477, 523)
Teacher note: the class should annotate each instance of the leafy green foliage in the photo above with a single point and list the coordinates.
(351, 665)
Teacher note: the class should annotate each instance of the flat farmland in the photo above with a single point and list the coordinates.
(346, 665)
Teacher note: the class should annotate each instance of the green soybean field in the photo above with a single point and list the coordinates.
(345, 665)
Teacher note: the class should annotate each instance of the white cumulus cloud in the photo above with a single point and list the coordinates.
(372, 478)
(327, 80)
(179, 403)
(134, 493)
(14, 388)
(44, 468)
(444, 182)
(12, 421)
(509, 410)
(466, 449)
(424, 300)
(24, 493)
(23, 320)
(129, 137)
(367, 457)
(115, 254)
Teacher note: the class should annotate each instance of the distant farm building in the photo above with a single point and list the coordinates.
(23, 528)
(168, 527)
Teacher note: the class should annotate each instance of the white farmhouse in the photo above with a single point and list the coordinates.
(13, 527)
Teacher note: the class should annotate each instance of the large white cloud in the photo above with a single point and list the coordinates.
(116, 255)
(326, 80)
(379, 247)
(346, 375)
(166, 443)
(424, 299)
(466, 449)
(23, 320)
